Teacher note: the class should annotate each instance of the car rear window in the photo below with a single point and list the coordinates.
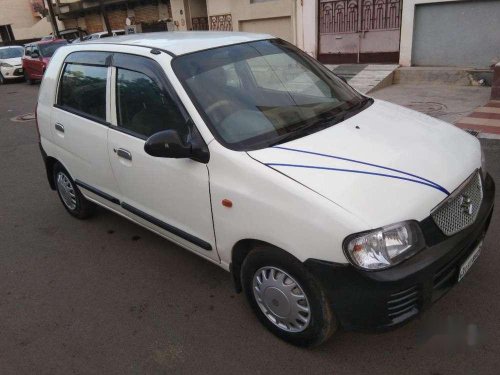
(83, 89)
(48, 49)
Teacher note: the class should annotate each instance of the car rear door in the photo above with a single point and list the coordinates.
(79, 123)
(170, 196)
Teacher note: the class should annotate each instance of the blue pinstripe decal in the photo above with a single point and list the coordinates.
(360, 172)
(423, 180)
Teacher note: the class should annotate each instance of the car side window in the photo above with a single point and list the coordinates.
(143, 107)
(83, 89)
(28, 51)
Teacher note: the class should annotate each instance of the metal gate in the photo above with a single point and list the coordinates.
(354, 31)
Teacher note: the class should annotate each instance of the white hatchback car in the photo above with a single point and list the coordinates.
(11, 66)
(328, 207)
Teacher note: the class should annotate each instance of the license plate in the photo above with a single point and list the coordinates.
(465, 267)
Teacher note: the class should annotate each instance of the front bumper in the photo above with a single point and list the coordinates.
(12, 73)
(380, 300)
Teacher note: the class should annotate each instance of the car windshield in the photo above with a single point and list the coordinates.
(48, 49)
(254, 95)
(11, 52)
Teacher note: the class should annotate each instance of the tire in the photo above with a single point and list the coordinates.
(28, 79)
(266, 262)
(69, 194)
(3, 81)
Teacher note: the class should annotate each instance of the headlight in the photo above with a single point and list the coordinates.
(384, 247)
(5, 65)
(483, 163)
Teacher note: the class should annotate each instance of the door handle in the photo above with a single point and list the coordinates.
(124, 154)
(59, 127)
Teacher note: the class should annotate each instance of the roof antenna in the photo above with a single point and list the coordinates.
(155, 51)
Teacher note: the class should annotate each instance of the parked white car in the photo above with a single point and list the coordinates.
(328, 207)
(102, 34)
(11, 66)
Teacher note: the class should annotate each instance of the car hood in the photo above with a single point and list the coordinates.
(13, 61)
(385, 164)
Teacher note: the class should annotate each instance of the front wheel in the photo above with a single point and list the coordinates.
(286, 297)
(28, 79)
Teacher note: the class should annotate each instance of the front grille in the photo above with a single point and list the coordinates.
(461, 208)
(403, 304)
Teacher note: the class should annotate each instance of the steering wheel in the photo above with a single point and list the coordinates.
(217, 105)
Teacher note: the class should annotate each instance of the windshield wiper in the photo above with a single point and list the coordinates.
(326, 118)
(354, 109)
(301, 130)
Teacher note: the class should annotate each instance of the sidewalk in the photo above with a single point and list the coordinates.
(484, 119)
(366, 77)
(460, 105)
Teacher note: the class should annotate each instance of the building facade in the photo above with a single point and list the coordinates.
(146, 15)
(408, 32)
(22, 20)
(450, 33)
(463, 33)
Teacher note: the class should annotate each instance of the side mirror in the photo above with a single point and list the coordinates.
(35, 55)
(168, 144)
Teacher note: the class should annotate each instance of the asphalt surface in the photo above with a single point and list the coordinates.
(105, 296)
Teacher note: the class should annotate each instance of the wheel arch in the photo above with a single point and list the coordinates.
(239, 252)
(50, 162)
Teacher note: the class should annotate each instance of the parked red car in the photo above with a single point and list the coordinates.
(37, 56)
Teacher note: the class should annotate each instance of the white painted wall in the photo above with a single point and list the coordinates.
(178, 18)
(308, 26)
(408, 18)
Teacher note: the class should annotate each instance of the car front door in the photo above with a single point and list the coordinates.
(36, 63)
(170, 196)
(27, 60)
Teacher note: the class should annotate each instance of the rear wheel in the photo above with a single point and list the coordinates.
(3, 81)
(71, 197)
(286, 297)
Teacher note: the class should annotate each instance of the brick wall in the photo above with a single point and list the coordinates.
(94, 23)
(117, 18)
(70, 23)
(146, 13)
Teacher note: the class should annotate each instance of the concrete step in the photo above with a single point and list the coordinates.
(366, 77)
(443, 75)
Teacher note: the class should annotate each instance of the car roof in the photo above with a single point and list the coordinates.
(5, 47)
(48, 41)
(182, 42)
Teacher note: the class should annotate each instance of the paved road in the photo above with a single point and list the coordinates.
(107, 297)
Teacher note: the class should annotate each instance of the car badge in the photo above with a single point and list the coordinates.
(466, 205)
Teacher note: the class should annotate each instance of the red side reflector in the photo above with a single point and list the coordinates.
(227, 203)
